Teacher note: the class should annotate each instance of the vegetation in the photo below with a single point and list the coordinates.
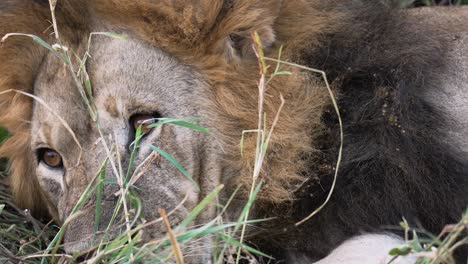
(25, 239)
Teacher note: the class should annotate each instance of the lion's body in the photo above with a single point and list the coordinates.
(401, 80)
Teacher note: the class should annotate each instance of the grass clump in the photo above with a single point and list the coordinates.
(431, 249)
(21, 234)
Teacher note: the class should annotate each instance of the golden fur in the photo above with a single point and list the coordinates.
(20, 59)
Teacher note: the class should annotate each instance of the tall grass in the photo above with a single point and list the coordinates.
(25, 239)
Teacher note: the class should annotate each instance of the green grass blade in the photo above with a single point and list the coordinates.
(175, 163)
(191, 126)
(236, 243)
(89, 89)
(99, 189)
(136, 202)
(200, 206)
(135, 143)
(184, 122)
(126, 251)
(208, 230)
(248, 205)
(40, 42)
(47, 46)
(167, 120)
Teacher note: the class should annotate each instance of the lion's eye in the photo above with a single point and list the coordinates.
(50, 158)
(144, 120)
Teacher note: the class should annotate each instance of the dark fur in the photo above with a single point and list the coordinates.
(390, 169)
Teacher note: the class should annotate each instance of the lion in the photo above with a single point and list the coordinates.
(399, 76)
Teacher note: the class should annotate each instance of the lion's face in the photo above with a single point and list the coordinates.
(133, 82)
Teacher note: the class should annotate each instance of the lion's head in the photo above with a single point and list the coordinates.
(181, 59)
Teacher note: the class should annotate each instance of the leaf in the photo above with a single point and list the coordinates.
(175, 163)
(88, 87)
(400, 251)
(1, 208)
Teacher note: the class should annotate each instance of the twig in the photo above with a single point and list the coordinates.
(175, 246)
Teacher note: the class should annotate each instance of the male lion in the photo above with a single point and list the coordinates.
(400, 77)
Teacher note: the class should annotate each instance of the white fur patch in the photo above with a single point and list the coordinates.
(367, 249)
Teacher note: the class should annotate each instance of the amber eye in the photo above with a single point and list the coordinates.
(50, 158)
(144, 120)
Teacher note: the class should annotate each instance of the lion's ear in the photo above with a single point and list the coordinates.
(238, 22)
(240, 44)
(20, 59)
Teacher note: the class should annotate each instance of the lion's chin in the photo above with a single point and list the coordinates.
(79, 246)
(78, 243)
(199, 254)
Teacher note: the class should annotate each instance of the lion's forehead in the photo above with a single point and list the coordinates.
(127, 77)
(141, 75)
